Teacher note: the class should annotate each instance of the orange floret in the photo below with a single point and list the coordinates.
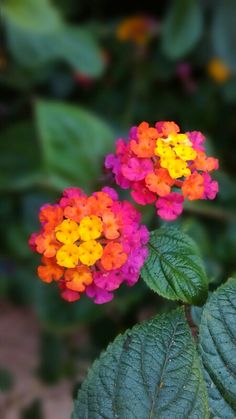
(169, 127)
(144, 148)
(77, 278)
(99, 202)
(145, 131)
(50, 271)
(78, 209)
(47, 244)
(193, 186)
(159, 182)
(110, 226)
(113, 256)
(146, 143)
(50, 216)
(207, 164)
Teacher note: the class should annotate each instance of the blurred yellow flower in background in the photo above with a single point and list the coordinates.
(218, 70)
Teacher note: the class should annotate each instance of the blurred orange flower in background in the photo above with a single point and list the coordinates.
(138, 29)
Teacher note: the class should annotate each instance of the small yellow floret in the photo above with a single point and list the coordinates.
(68, 256)
(67, 232)
(89, 252)
(176, 139)
(185, 152)
(178, 168)
(164, 150)
(165, 163)
(182, 139)
(90, 228)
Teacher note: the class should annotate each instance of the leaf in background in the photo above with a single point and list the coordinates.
(32, 15)
(73, 45)
(36, 35)
(77, 47)
(224, 31)
(218, 350)
(31, 49)
(19, 157)
(151, 371)
(182, 27)
(74, 143)
(174, 268)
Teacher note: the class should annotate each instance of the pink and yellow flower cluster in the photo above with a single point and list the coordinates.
(162, 165)
(90, 244)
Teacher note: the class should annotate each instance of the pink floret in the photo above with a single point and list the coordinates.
(211, 187)
(99, 295)
(170, 206)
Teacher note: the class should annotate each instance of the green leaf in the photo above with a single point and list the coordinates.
(73, 142)
(30, 49)
(182, 27)
(174, 268)
(77, 47)
(32, 15)
(218, 350)
(224, 31)
(73, 45)
(36, 35)
(152, 371)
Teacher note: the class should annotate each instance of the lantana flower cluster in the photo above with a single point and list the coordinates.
(161, 165)
(90, 244)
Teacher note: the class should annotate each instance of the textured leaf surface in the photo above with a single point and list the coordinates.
(182, 27)
(174, 268)
(224, 31)
(152, 371)
(74, 143)
(218, 350)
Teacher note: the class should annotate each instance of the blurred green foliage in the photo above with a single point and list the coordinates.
(69, 87)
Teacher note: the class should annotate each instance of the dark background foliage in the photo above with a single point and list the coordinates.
(69, 87)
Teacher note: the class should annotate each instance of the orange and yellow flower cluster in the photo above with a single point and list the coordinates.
(90, 244)
(160, 164)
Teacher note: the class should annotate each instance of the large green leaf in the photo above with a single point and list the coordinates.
(30, 49)
(182, 27)
(224, 31)
(32, 14)
(37, 35)
(152, 371)
(74, 143)
(174, 268)
(218, 350)
(73, 45)
(77, 47)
